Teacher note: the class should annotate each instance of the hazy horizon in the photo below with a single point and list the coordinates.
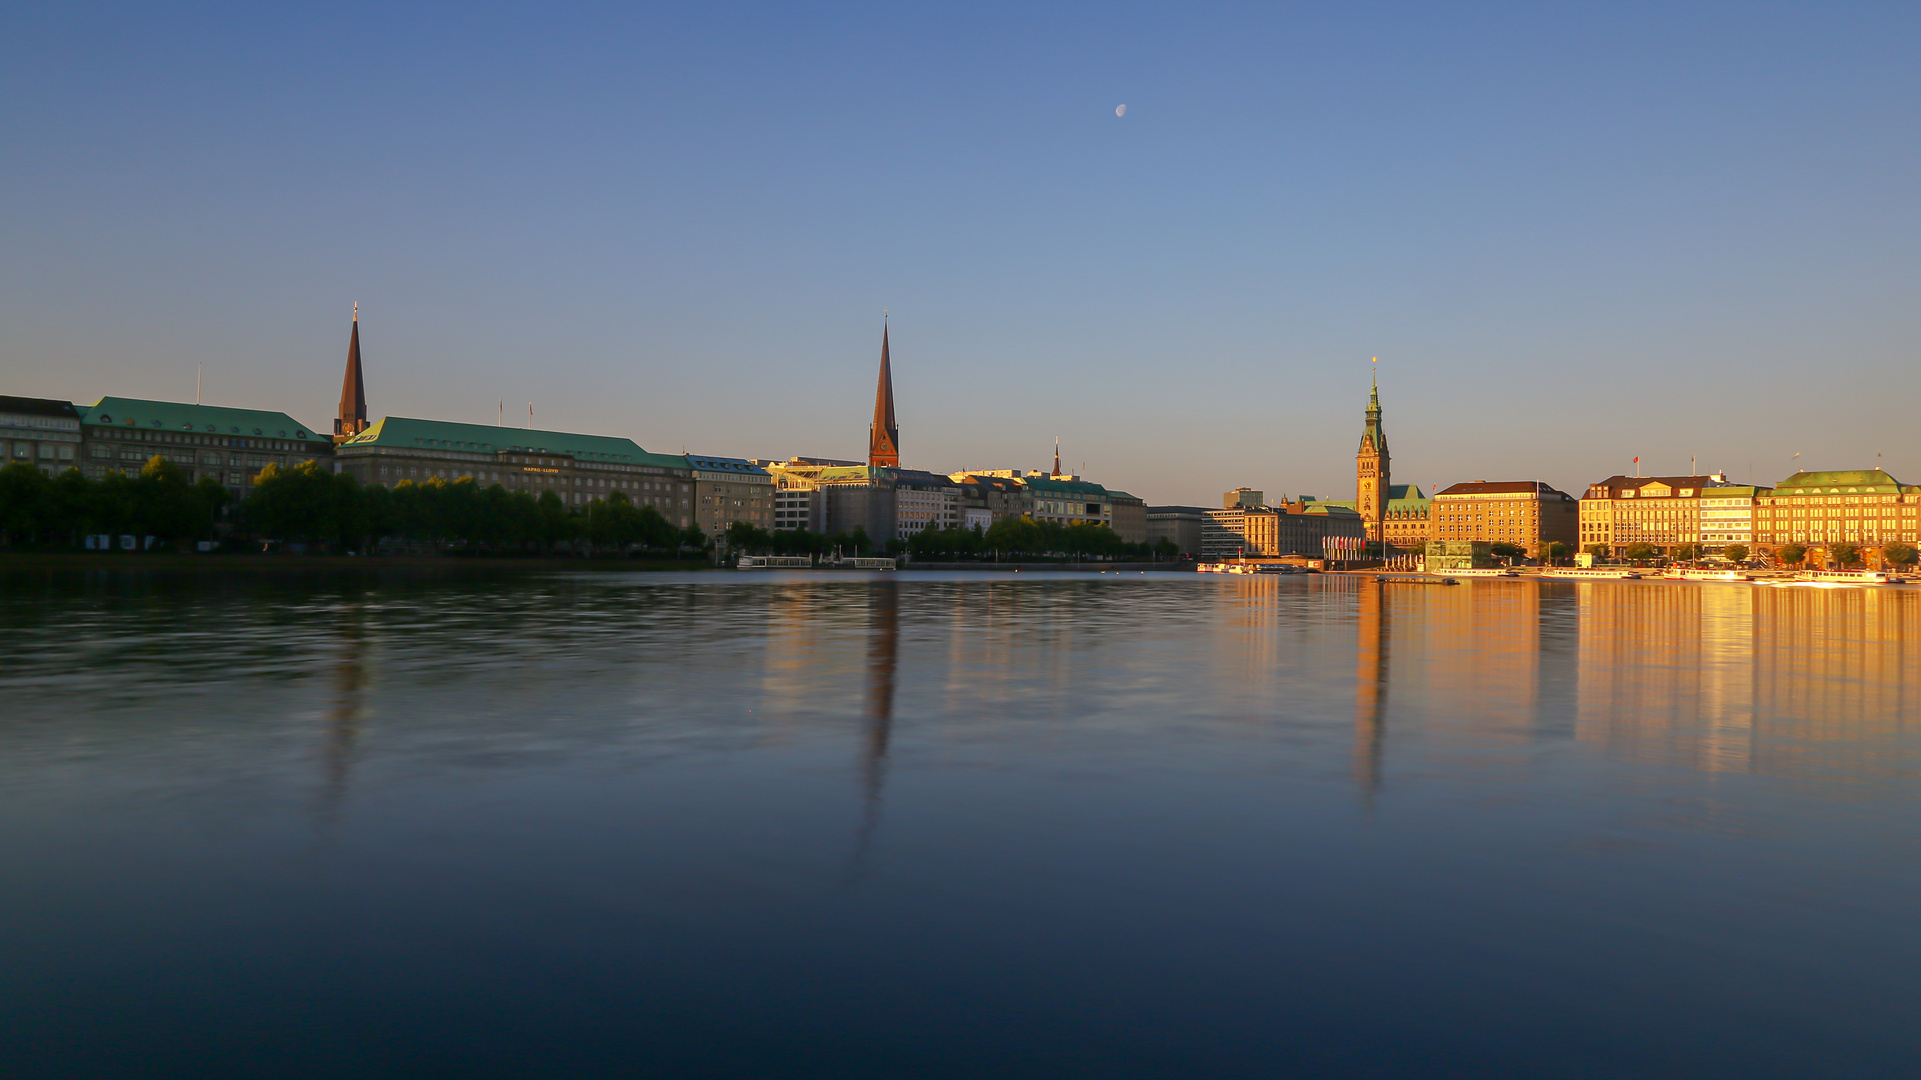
(1570, 237)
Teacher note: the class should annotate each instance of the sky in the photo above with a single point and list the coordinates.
(1571, 234)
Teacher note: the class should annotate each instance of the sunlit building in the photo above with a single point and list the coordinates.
(1819, 510)
(1525, 513)
(1663, 512)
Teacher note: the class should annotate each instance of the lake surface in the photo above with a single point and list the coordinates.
(966, 825)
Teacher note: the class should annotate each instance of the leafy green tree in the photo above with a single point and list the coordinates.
(692, 538)
(27, 503)
(297, 504)
(1598, 551)
(1506, 551)
(1898, 554)
(1735, 553)
(1791, 554)
(1847, 554)
(1687, 552)
(1555, 551)
(1640, 553)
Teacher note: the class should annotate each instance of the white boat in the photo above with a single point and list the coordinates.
(1249, 568)
(775, 562)
(1615, 572)
(1482, 571)
(1844, 577)
(1698, 574)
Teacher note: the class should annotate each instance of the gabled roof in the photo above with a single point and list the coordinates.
(205, 419)
(409, 433)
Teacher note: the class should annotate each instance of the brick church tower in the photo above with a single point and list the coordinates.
(883, 438)
(1371, 468)
(353, 390)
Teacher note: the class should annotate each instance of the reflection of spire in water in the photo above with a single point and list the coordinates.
(345, 711)
(1370, 686)
(883, 643)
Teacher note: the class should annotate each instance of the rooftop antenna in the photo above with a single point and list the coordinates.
(530, 416)
(196, 384)
(501, 420)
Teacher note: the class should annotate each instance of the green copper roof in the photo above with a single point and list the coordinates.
(1040, 486)
(1860, 480)
(204, 419)
(407, 433)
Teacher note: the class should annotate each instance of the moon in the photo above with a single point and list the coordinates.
(1120, 110)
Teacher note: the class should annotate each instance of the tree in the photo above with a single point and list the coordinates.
(1898, 554)
(1555, 551)
(1847, 554)
(26, 503)
(1791, 554)
(1639, 553)
(297, 504)
(1598, 551)
(1504, 550)
(1735, 553)
(1687, 552)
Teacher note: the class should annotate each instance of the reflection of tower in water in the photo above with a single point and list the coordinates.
(883, 644)
(346, 709)
(1370, 684)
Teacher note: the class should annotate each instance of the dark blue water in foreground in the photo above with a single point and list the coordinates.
(956, 826)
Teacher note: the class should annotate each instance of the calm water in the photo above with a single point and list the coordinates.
(956, 826)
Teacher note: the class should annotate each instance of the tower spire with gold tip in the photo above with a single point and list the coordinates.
(883, 436)
(353, 389)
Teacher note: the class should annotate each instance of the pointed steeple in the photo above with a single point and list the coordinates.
(883, 437)
(353, 390)
(1057, 455)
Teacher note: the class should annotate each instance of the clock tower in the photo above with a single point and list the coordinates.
(1371, 469)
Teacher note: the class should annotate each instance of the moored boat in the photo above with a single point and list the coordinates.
(1614, 572)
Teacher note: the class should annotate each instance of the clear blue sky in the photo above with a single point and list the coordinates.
(1571, 236)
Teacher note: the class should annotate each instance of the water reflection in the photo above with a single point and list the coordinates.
(883, 657)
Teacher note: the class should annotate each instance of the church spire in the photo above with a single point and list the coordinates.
(883, 437)
(353, 391)
(1057, 455)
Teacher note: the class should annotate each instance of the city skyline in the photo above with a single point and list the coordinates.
(1573, 239)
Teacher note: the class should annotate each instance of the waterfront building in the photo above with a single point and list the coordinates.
(1245, 498)
(1404, 517)
(1180, 525)
(1661, 511)
(1127, 516)
(1443, 555)
(1372, 472)
(924, 500)
(727, 490)
(850, 496)
(883, 435)
(1070, 502)
(987, 497)
(1819, 510)
(1224, 533)
(41, 432)
(576, 468)
(230, 445)
(1727, 515)
(1525, 513)
(797, 499)
(353, 389)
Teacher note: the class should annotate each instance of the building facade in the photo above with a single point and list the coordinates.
(1727, 516)
(1526, 513)
(1179, 525)
(986, 498)
(924, 500)
(40, 432)
(1866, 508)
(849, 496)
(727, 490)
(576, 468)
(1128, 516)
(230, 445)
(1664, 512)
(1069, 502)
(1372, 469)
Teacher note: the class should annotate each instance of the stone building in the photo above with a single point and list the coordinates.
(1525, 513)
(41, 432)
(229, 445)
(1866, 508)
(1127, 516)
(1070, 502)
(924, 500)
(1180, 525)
(727, 490)
(1661, 511)
(576, 468)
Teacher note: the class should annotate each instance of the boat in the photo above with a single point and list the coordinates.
(1484, 571)
(1614, 572)
(1843, 577)
(1248, 568)
(774, 562)
(1699, 574)
(1414, 579)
